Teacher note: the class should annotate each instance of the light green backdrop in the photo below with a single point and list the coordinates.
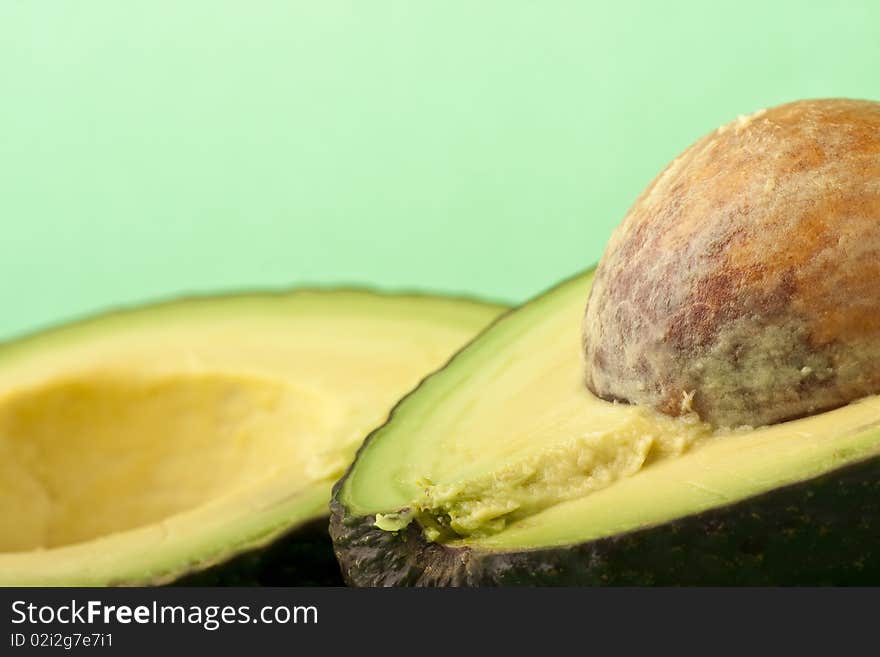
(150, 149)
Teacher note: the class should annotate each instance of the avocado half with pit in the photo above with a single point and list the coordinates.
(151, 444)
(702, 409)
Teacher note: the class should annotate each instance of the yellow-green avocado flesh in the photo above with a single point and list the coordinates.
(140, 446)
(506, 451)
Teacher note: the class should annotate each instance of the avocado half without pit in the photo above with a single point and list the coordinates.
(712, 418)
(151, 444)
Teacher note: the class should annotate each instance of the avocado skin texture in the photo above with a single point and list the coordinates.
(820, 532)
(302, 557)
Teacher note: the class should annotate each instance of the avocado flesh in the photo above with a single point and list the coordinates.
(510, 402)
(732, 468)
(143, 445)
(534, 437)
(584, 446)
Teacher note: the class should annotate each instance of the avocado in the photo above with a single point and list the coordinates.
(196, 441)
(702, 409)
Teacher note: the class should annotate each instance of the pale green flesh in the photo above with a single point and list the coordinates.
(729, 469)
(514, 398)
(140, 445)
(385, 475)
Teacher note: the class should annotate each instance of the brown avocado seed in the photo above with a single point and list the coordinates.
(745, 281)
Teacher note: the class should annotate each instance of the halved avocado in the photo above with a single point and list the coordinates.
(503, 468)
(150, 444)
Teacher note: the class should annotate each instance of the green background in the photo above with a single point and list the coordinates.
(152, 149)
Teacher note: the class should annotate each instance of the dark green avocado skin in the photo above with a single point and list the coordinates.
(819, 532)
(303, 557)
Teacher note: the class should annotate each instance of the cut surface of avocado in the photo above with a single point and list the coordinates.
(504, 453)
(514, 436)
(146, 444)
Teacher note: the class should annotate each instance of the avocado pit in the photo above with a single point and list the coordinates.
(746, 277)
